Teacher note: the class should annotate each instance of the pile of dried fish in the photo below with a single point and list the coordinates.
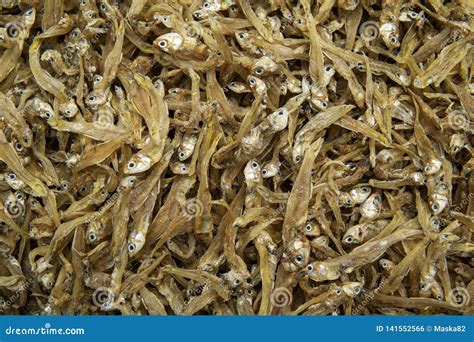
(236, 157)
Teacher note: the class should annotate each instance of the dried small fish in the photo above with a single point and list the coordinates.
(236, 157)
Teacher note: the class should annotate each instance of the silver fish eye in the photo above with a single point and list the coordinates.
(338, 291)
(131, 247)
(254, 165)
(12, 176)
(309, 268)
(259, 70)
(309, 227)
(162, 43)
(435, 207)
(349, 239)
(324, 104)
(264, 172)
(92, 237)
(131, 165)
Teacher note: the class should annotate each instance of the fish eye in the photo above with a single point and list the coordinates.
(281, 112)
(349, 239)
(422, 286)
(33, 202)
(74, 34)
(328, 68)
(264, 102)
(236, 282)
(103, 191)
(165, 18)
(308, 227)
(91, 15)
(252, 80)
(324, 104)
(64, 185)
(300, 21)
(83, 2)
(435, 207)
(445, 235)
(309, 268)
(435, 222)
(365, 189)
(162, 43)
(182, 154)
(103, 6)
(131, 247)
(19, 196)
(131, 165)
(352, 166)
(232, 84)
(48, 115)
(338, 291)
(248, 280)
(219, 53)
(254, 165)
(19, 147)
(98, 78)
(241, 35)
(196, 15)
(92, 237)
(206, 5)
(384, 264)
(348, 201)
(393, 39)
(264, 172)
(298, 159)
(131, 181)
(11, 176)
(259, 70)
(29, 12)
(299, 259)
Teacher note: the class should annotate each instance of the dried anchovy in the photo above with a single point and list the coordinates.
(235, 157)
